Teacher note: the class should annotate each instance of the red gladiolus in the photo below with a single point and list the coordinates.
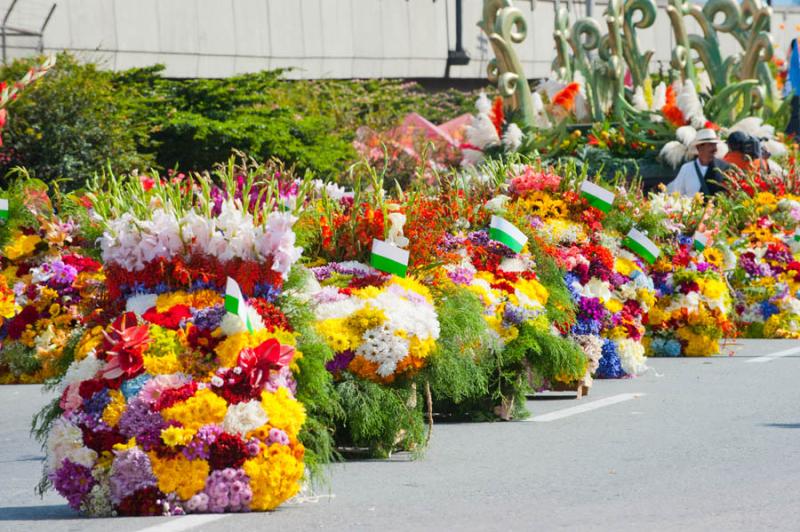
(124, 347)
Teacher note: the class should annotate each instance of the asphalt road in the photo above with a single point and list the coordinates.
(696, 444)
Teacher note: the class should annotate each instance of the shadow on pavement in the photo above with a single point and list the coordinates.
(783, 425)
(37, 513)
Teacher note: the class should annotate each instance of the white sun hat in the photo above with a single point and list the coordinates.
(705, 136)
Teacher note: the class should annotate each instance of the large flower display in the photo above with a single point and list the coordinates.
(179, 405)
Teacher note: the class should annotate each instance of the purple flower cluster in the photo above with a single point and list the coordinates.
(209, 318)
(461, 275)
(200, 446)
(139, 422)
(340, 361)
(73, 481)
(226, 490)
(62, 274)
(130, 472)
(514, 315)
(590, 308)
(451, 242)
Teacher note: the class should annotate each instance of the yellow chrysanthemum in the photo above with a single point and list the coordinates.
(337, 335)
(274, 477)
(179, 474)
(162, 365)
(411, 284)
(533, 289)
(713, 288)
(284, 412)
(204, 408)
(714, 256)
(365, 318)
(114, 409)
(613, 305)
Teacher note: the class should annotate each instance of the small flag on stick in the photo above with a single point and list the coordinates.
(3, 209)
(507, 233)
(597, 196)
(700, 241)
(235, 303)
(388, 258)
(637, 242)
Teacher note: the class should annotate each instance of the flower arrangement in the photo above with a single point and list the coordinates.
(381, 327)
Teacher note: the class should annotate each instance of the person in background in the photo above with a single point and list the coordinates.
(745, 152)
(792, 87)
(705, 173)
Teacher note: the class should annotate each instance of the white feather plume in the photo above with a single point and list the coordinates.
(690, 105)
(674, 152)
(512, 138)
(660, 96)
(483, 105)
(638, 99)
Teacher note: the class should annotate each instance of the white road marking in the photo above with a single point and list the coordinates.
(773, 356)
(184, 522)
(586, 407)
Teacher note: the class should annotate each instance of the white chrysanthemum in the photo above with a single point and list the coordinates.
(141, 303)
(408, 313)
(81, 370)
(65, 442)
(381, 346)
(631, 356)
(242, 418)
(338, 309)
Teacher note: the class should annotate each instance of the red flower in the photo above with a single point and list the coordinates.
(228, 450)
(259, 361)
(82, 264)
(170, 319)
(124, 348)
(172, 396)
(143, 502)
(100, 440)
(17, 325)
(147, 182)
(272, 315)
(88, 388)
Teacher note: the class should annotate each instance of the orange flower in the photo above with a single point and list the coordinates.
(498, 117)
(566, 97)
(671, 111)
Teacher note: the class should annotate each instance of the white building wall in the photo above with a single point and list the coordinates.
(318, 38)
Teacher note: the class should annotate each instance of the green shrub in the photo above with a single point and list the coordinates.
(70, 124)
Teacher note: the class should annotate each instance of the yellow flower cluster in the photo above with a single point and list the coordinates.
(199, 300)
(162, 356)
(174, 436)
(114, 409)
(20, 246)
(274, 476)
(179, 474)
(698, 345)
(284, 412)
(203, 408)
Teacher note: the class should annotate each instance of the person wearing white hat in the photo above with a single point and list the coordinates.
(705, 173)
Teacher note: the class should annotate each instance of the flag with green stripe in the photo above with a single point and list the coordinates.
(597, 196)
(388, 258)
(3, 209)
(638, 242)
(507, 233)
(700, 241)
(236, 304)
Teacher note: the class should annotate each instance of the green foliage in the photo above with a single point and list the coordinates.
(19, 359)
(454, 373)
(560, 306)
(314, 383)
(18, 215)
(70, 123)
(379, 418)
(553, 357)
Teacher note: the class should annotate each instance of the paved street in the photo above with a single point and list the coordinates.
(696, 444)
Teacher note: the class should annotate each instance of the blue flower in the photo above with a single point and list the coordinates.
(132, 387)
(610, 365)
(768, 309)
(672, 348)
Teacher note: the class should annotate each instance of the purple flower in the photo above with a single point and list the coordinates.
(340, 361)
(130, 471)
(513, 314)
(209, 318)
(62, 274)
(73, 481)
(591, 309)
(278, 436)
(228, 490)
(139, 422)
(461, 275)
(200, 445)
